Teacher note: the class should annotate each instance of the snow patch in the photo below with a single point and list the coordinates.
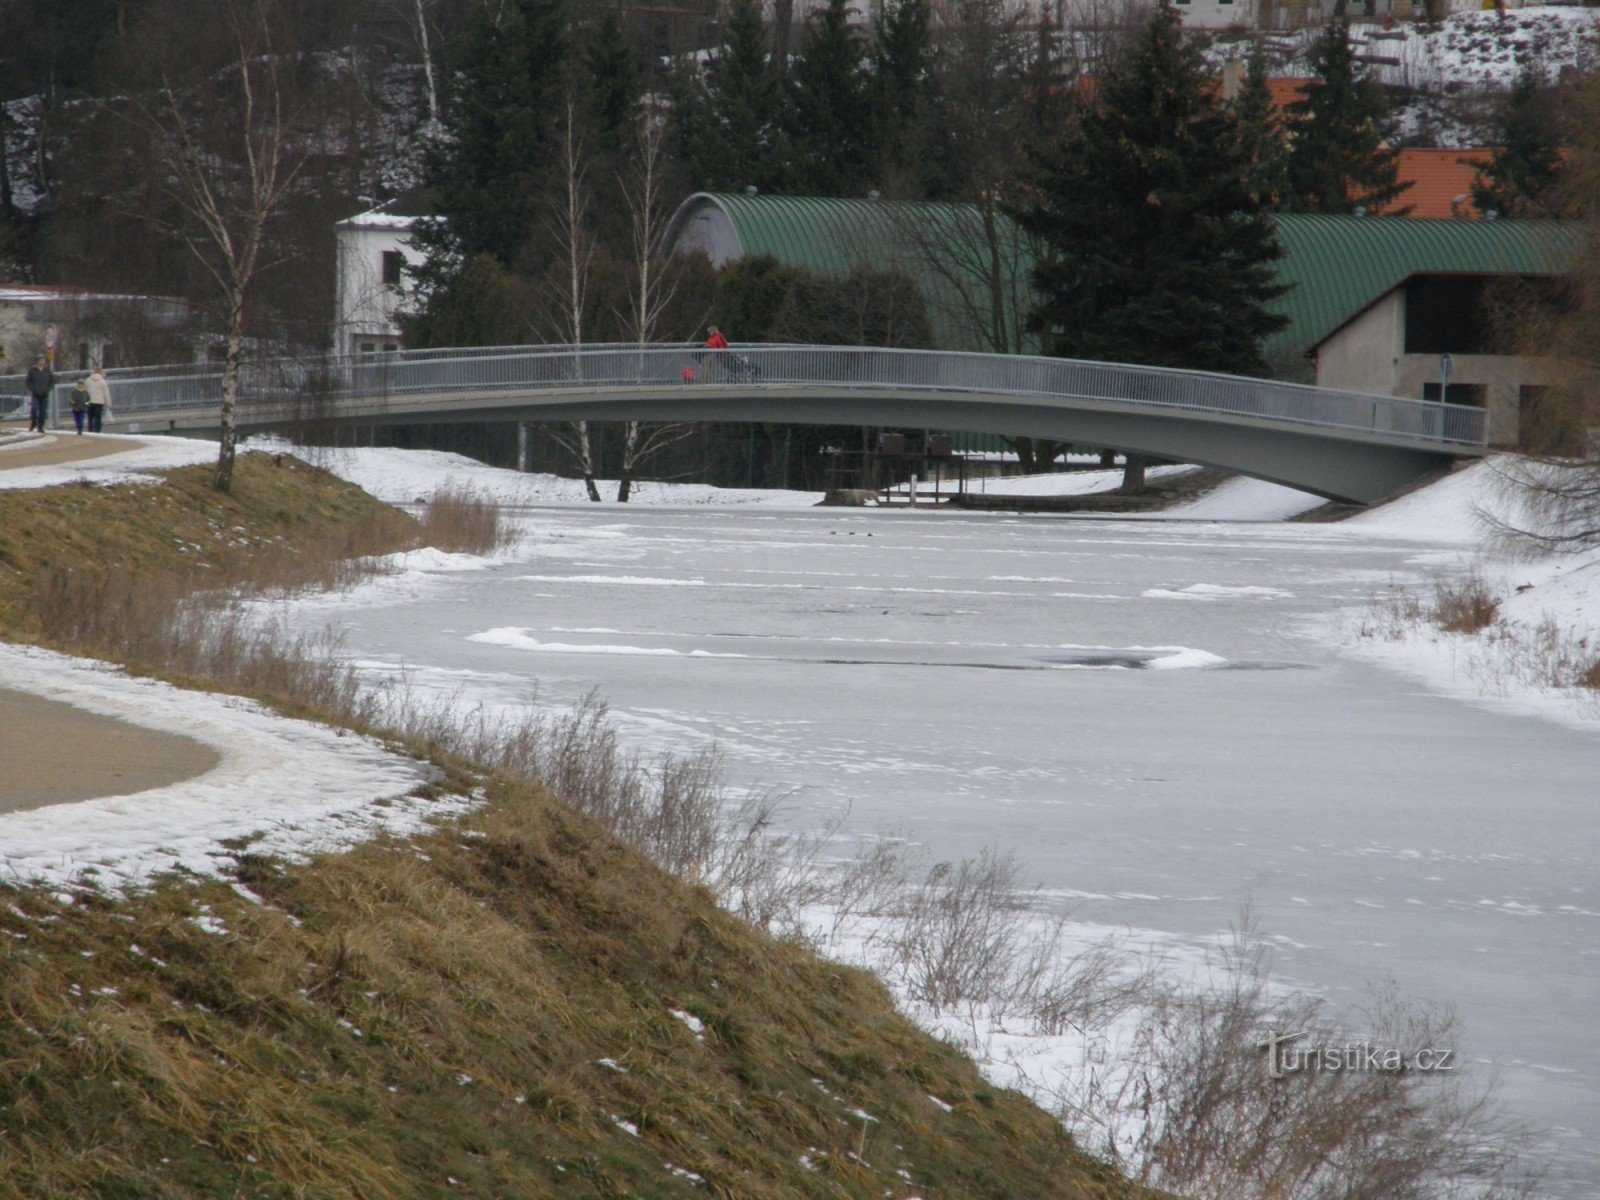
(291, 788)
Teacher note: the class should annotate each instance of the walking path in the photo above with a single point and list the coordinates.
(56, 753)
(53, 449)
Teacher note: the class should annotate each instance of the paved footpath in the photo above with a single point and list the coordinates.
(53, 753)
(19, 449)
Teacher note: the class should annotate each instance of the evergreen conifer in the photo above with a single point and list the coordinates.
(897, 94)
(731, 118)
(1338, 158)
(1261, 128)
(1519, 179)
(488, 177)
(1156, 249)
(613, 83)
(832, 128)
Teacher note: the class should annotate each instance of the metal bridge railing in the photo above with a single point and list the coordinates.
(317, 386)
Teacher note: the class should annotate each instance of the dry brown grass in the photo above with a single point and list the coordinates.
(1466, 605)
(464, 521)
(414, 1012)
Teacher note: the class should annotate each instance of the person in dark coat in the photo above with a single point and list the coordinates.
(80, 405)
(40, 380)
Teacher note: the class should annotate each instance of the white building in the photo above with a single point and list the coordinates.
(375, 257)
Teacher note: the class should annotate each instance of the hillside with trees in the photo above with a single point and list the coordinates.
(550, 140)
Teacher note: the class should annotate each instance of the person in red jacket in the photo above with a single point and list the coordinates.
(715, 341)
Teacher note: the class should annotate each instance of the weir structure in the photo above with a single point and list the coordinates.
(1341, 445)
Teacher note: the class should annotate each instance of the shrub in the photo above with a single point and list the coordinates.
(1465, 606)
(464, 521)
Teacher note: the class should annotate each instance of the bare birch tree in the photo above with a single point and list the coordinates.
(570, 232)
(642, 186)
(228, 153)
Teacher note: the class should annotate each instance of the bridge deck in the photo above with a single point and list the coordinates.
(1340, 444)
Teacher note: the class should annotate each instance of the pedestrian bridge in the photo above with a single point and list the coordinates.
(1340, 445)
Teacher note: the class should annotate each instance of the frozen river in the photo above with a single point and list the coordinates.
(966, 680)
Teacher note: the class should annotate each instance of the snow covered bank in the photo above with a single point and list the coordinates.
(292, 787)
(142, 456)
(1544, 639)
(412, 476)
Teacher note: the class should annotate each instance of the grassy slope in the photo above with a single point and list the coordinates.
(279, 505)
(428, 1017)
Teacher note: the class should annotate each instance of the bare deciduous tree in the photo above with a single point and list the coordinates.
(653, 287)
(570, 232)
(225, 136)
(1558, 484)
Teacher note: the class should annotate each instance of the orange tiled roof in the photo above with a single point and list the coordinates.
(1285, 90)
(1441, 181)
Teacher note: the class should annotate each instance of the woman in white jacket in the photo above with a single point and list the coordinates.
(99, 400)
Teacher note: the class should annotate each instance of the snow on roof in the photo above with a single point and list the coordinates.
(399, 213)
(30, 293)
(378, 219)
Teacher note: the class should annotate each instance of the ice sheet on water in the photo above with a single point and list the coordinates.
(519, 639)
(1217, 591)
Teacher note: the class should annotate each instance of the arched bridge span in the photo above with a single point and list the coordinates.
(1340, 445)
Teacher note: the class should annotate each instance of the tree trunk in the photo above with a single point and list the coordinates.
(230, 394)
(630, 450)
(427, 68)
(1133, 483)
(782, 30)
(586, 461)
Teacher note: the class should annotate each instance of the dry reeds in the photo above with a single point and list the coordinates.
(464, 521)
(1466, 605)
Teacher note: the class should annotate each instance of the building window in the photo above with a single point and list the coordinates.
(1475, 394)
(393, 264)
(369, 347)
(1445, 314)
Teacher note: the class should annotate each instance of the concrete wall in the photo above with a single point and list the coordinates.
(1362, 356)
(364, 305)
(1368, 355)
(1502, 377)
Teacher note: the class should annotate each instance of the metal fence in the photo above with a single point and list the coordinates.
(317, 386)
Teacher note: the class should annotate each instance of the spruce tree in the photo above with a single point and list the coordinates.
(613, 80)
(897, 94)
(1261, 129)
(831, 129)
(488, 178)
(730, 119)
(1338, 157)
(1519, 179)
(1155, 248)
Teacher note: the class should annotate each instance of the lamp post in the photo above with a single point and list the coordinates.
(1444, 379)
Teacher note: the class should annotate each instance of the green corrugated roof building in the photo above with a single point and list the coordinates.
(1335, 265)
(1338, 265)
